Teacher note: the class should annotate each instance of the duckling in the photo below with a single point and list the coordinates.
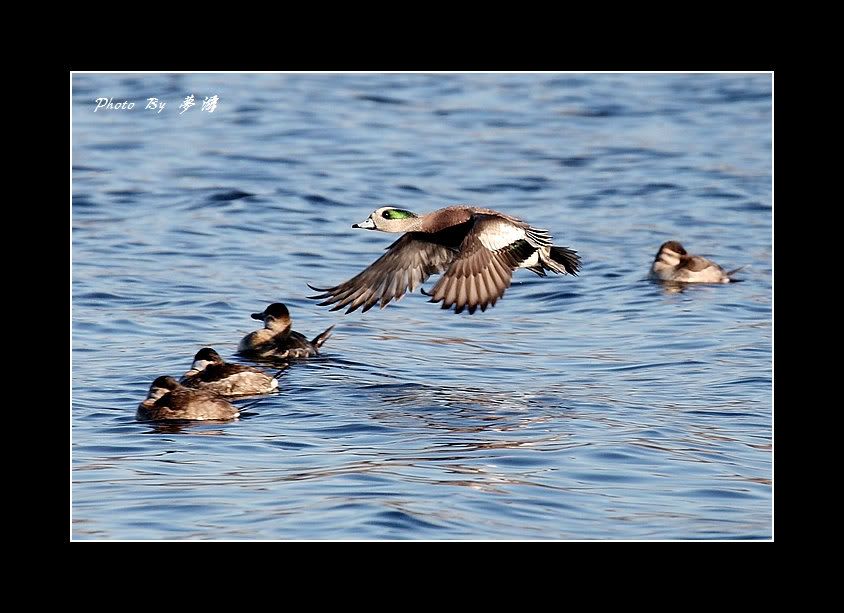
(477, 249)
(277, 340)
(210, 372)
(168, 399)
(673, 263)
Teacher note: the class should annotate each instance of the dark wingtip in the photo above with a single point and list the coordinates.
(320, 296)
(323, 292)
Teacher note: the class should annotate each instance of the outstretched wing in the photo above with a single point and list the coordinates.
(408, 263)
(479, 276)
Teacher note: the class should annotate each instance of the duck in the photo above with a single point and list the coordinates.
(277, 340)
(674, 263)
(477, 249)
(168, 399)
(210, 372)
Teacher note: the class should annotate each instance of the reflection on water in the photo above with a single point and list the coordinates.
(672, 287)
(416, 395)
(676, 287)
(596, 407)
(193, 427)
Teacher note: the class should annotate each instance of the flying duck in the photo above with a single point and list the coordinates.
(210, 372)
(477, 249)
(277, 340)
(168, 399)
(673, 263)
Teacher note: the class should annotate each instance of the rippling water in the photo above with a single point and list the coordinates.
(596, 407)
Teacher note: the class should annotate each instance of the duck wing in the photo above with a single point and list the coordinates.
(695, 263)
(213, 372)
(409, 261)
(483, 268)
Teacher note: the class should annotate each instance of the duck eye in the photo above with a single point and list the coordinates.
(386, 214)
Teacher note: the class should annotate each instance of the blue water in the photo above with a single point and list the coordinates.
(596, 407)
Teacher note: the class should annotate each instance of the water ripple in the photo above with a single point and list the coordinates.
(590, 407)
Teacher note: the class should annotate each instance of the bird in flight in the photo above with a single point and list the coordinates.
(476, 249)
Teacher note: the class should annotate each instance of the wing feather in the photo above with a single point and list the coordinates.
(409, 261)
(479, 276)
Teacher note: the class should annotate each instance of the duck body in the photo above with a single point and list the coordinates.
(476, 248)
(674, 263)
(211, 373)
(169, 400)
(277, 340)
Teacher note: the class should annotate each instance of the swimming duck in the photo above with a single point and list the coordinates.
(277, 340)
(673, 263)
(168, 399)
(477, 249)
(210, 372)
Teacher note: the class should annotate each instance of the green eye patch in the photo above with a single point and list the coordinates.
(396, 214)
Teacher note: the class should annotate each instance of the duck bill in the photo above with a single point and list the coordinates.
(258, 316)
(368, 224)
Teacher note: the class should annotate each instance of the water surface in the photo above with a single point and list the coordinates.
(596, 407)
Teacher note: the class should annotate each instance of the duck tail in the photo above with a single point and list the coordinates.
(563, 260)
(735, 270)
(319, 339)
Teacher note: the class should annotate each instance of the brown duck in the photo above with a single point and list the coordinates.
(211, 373)
(277, 340)
(674, 263)
(168, 399)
